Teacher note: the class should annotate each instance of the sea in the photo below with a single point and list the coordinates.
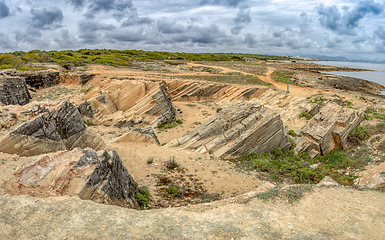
(377, 73)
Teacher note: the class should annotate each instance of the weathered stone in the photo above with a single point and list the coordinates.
(110, 183)
(102, 179)
(86, 109)
(146, 134)
(37, 79)
(13, 91)
(127, 103)
(61, 129)
(328, 130)
(242, 128)
(328, 181)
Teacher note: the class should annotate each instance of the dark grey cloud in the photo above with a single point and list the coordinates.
(46, 18)
(77, 3)
(170, 27)
(117, 6)
(305, 23)
(288, 38)
(93, 32)
(133, 19)
(243, 17)
(250, 40)
(231, 3)
(345, 22)
(4, 10)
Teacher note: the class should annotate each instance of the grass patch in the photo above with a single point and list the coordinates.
(305, 115)
(284, 77)
(281, 166)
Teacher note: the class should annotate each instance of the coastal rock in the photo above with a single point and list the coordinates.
(37, 79)
(13, 91)
(86, 109)
(60, 129)
(242, 128)
(328, 130)
(372, 177)
(102, 179)
(125, 103)
(146, 134)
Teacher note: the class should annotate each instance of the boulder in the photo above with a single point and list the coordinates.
(243, 128)
(102, 179)
(13, 91)
(146, 134)
(328, 130)
(61, 129)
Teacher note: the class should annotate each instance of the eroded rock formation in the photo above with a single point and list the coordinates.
(328, 130)
(13, 91)
(36, 79)
(102, 179)
(242, 128)
(145, 134)
(126, 103)
(60, 129)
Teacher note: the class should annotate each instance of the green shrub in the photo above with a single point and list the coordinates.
(292, 133)
(359, 134)
(143, 196)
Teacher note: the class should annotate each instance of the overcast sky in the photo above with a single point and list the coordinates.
(350, 28)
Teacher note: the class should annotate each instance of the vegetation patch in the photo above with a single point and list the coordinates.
(284, 77)
(291, 194)
(68, 58)
(318, 98)
(305, 115)
(143, 197)
(300, 168)
(359, 134)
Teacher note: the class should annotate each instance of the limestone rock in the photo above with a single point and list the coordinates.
(60, 129)
(242, 128)
(102, 179)
(328, 181)
(126, 103)
(372, 177)
(328, 130)
(13, 91)
(146, 134)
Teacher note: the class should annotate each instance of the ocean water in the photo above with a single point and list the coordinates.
(376, 75)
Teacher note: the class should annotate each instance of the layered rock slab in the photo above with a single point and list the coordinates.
(60, 129)
(83, 173)
(127, 103)
(13, 91)
(328, 130)
(242, 128)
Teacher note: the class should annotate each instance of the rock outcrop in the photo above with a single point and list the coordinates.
(60, 129)
(102, 179)
(145, 134)
(242, 128)
(13, 91)
(36, 79)
(328, 130)
(126, 103)
(77, 78)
